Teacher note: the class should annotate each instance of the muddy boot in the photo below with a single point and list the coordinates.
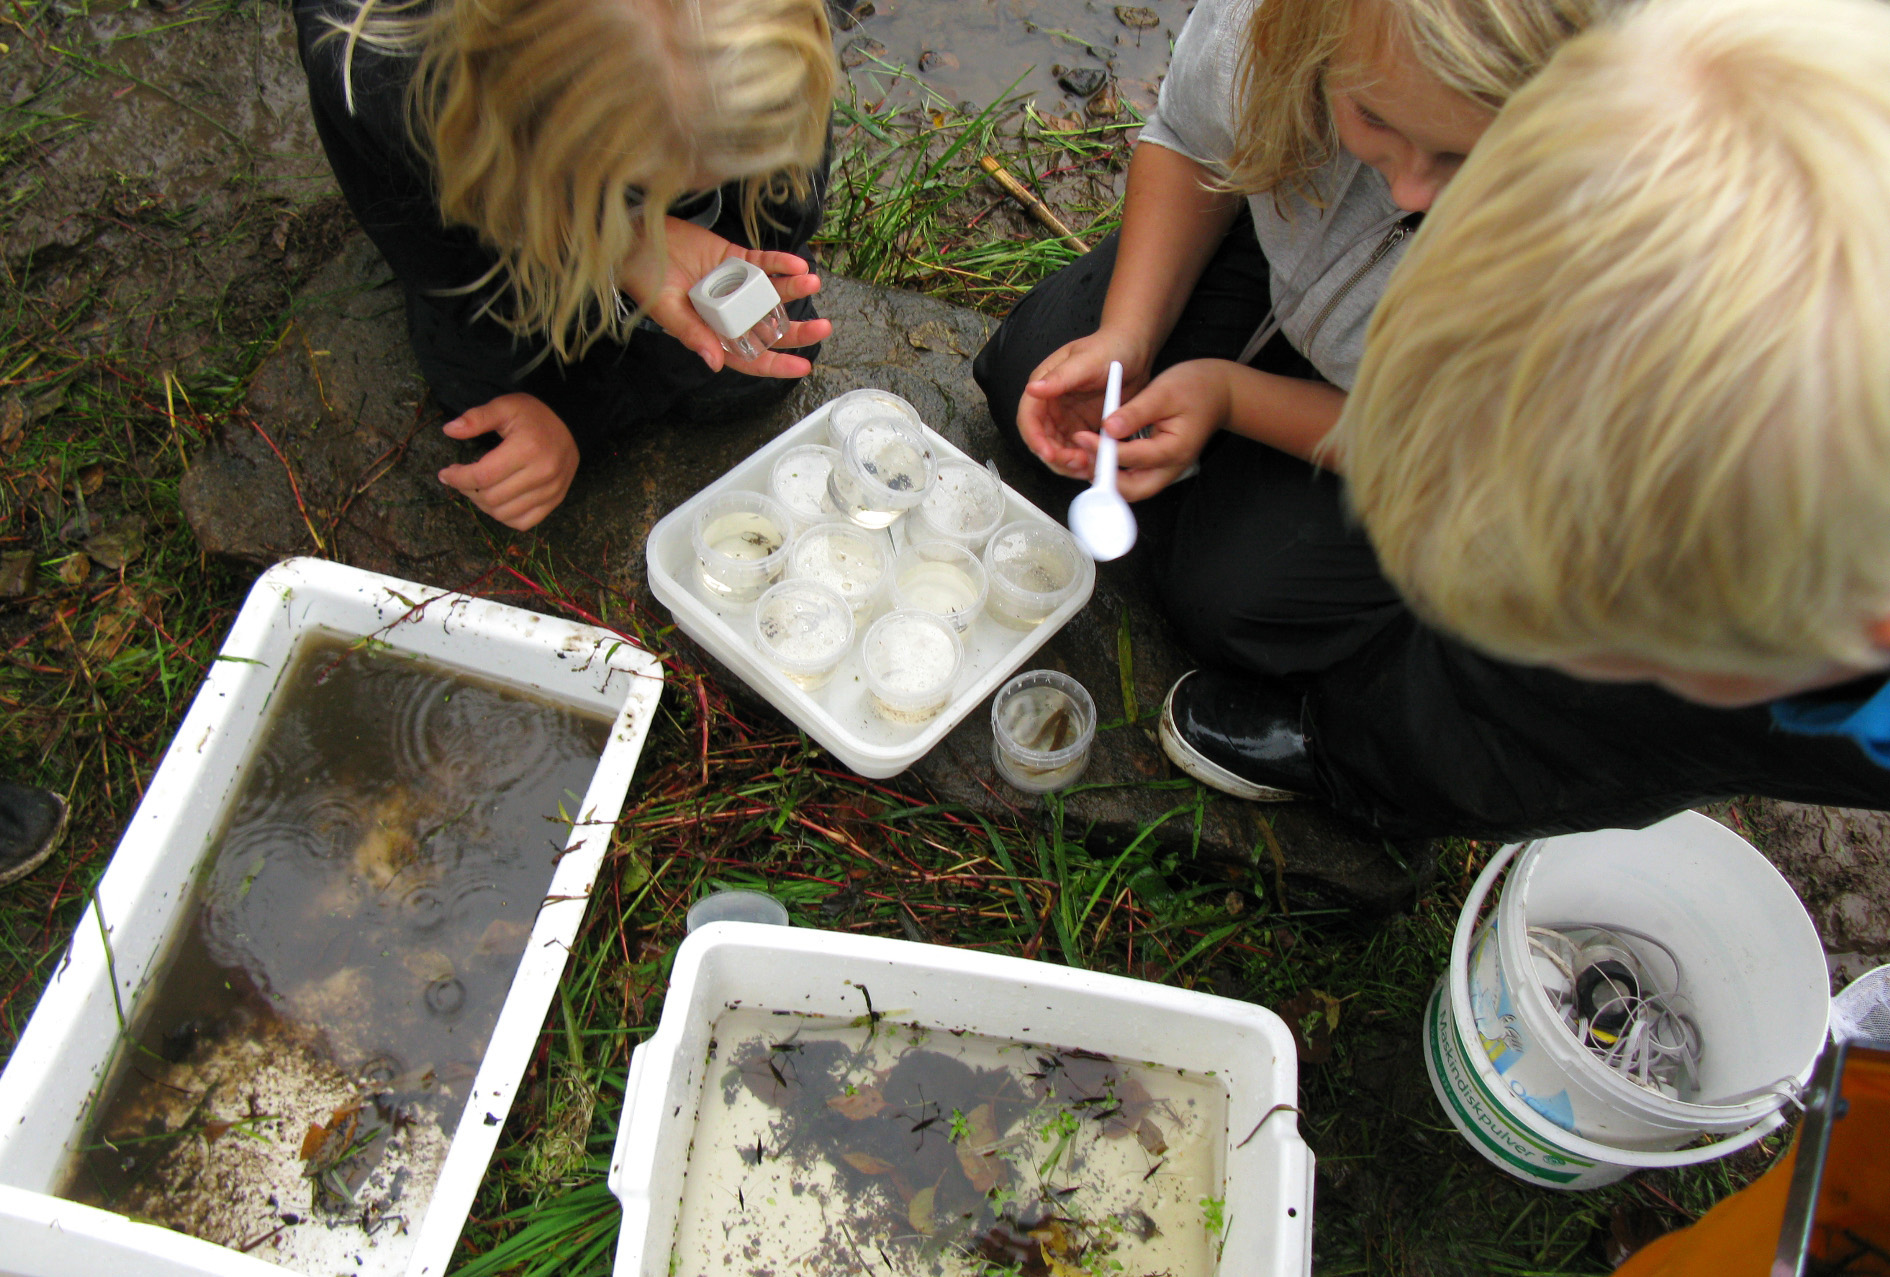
(31, 822)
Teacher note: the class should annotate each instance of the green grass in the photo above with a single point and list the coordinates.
(114, 381)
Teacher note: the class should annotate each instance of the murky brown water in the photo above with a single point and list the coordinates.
(353, 939)
(971, 50)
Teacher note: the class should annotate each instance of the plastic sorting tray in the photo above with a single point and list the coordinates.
(839, 715)
(71, 1041)
(1266, 1169)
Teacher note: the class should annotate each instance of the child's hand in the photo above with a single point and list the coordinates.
(1183, 407)
(526, 476)
(693, 252)
(1063, 401)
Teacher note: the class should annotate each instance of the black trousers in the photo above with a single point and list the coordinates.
(1411, 731)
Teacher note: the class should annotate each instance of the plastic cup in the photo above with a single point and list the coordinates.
(799, 482)
(942, 578)
(1034, 569)
(886, 468)
(851, 561)
(911, 661)
(845, 414)
(1042, 725)
(804, 628)
(965, 504)
(736, 905)
(741, 541)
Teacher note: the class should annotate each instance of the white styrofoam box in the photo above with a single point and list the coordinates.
(1267, 1174)
(68, 1047)
(839, 715)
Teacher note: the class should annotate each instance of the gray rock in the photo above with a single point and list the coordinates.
(344, 405)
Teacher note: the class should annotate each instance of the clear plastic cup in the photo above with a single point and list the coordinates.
(741, 541)
(886, 468)
(1042, 725)
(845, 414)
(1034, 568)
(911, 661)
(942, 578)
(799, 482)
(804, 628)
(965, 504)
(736, 904)
(854, 563)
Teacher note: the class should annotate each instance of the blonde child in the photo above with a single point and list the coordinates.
(1653, 443)
(1340, 121)
(547, 177)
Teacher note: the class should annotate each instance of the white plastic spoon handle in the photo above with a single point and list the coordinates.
(1106, 445)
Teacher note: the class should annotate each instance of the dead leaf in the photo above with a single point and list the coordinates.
(1136, 17)
(934, 334)
(919, 1211)
(74, 568)
(109, 633)
(503, 935)
(427, 965)
(92, 478)
(214, 1131)
(118, 543)
(1062, 123)
(1150, 1137)
(16, 574)
(12, 422)
(1312, 1016)
(866, 1163)
(975, 1155)
(865, 1102)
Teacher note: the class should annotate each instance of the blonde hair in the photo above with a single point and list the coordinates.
(561, 130)
(1482, 50)
(1629, 392)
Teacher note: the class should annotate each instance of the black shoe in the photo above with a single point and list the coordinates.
(1238, 735)
(31, 821)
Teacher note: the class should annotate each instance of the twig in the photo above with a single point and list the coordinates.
(1038, 209)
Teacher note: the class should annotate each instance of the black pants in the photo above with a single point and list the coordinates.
(1412, 732)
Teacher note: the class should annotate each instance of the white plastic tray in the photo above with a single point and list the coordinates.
(1266, 1168)
(838, 715)
(69, 1044)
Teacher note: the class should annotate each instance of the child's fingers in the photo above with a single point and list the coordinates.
(474, 422)
(794, 287)
(1140, 485)
(776, 263)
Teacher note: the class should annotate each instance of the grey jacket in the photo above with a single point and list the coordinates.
(1329, 266)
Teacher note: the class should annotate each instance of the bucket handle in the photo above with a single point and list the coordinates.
(1458, 978)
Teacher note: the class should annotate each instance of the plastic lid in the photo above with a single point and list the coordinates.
(734, 297)
(804, 626)
(911, 658)
(736, 906)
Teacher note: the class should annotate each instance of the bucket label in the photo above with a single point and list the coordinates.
(1478, 1112)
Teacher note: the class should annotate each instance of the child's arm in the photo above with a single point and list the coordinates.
(1171, 226)
(525, 477)
(691, 252)
(1186, 404)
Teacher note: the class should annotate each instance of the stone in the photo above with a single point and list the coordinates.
(343, 405)
(937, 60)
(1136, 17)
(860, 50)
(1084, 82)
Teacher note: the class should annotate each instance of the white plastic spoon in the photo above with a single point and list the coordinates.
(1101, 520)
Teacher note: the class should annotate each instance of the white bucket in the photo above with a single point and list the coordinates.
(1539, 1104)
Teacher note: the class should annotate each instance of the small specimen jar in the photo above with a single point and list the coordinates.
(942, 578)
(845, 414)
(851, 561)
(738, 301)
(1034, 569)
(964, 504)
(885, 469)
(1042, 724)
(911, 661)
(804, 628)
(735, 905)
(799, 482)
(741, 541)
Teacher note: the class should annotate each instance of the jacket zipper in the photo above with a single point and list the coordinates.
(1392, 239)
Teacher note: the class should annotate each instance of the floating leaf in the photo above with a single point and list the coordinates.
(428, 965)
(866, 1163)
(919, 1211)
(864, 1102)
(975, 1157)
(1150, 1137)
